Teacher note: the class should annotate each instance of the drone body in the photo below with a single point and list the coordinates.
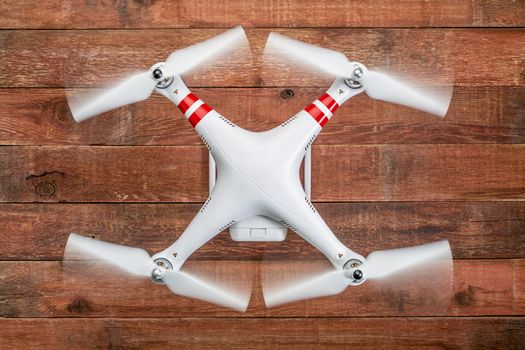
(258, 175)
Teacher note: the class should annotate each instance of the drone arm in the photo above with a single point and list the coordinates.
(341, 91)
(195, 111)
(193, 108)
(290, 205)
(323, 108)
(211, 219)
(299, 132)
(221, 210)
(316, 232)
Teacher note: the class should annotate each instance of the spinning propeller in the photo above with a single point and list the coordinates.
(140, 86)
(395, 265)
(432, 261)
(377, 85)
(137, 262)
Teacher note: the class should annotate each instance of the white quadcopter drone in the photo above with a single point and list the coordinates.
(258, 192)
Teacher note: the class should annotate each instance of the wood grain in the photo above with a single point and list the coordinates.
(384, 176)
(92, 58)
(179, 174)
(310, 13)
(480, 230)
(281, 333)
(41, 116)
(46, 289)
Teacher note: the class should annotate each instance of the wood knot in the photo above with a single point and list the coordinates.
(44, 183)
(145, 2)
(465, 298)
(61, 111)
(287, 93)
(79, 306)
(45, 189)
(522, 75)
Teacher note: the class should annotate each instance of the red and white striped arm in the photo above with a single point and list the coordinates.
(322, 109)
(193, 108)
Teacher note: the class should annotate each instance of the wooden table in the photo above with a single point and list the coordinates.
(384, 176)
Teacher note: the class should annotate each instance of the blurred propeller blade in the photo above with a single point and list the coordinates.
(385, 263)
(140, 86)
(188, 58)
(132, 260)
(330, 283)
(378, 85)
(138, 262)
(433, 259)
(187, 285)
(134, 89)
(328, 61)
(381, 86)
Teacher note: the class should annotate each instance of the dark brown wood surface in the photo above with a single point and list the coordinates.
(309, 13)
(179, 173)
(384, 176)
(268, 333)
(40, 116)
(91, 58)
(50, 289)
(479, 230)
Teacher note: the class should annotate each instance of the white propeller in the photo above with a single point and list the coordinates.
(135, 261)
(138, 262)
(377, 85)
(140, 86)
(433, 258)
(187, 285)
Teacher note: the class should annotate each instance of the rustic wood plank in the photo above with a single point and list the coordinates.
(282, 333)
(165, 183)
(189, 14)
(440, 172)
(179, 174)
(503, 13)
(45, 289)
(474, 229)
(476, 115)
(422, 186)
(91, 58)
